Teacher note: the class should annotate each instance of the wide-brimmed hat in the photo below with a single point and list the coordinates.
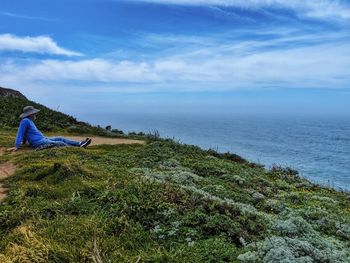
(27, 111)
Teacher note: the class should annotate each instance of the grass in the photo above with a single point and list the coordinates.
(165, 202)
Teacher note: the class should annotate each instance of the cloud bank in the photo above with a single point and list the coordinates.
(40, 44)
(295, 55)
(244, 65)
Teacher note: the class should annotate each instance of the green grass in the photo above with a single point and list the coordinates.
(165, 202)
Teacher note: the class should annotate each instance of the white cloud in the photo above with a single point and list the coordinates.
(91, 70)
(312, 8)
(16, 15)
(40, 44)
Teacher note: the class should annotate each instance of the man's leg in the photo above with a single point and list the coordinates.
(47, 143)
(65, 141)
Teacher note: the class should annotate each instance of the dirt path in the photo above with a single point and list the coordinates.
(6, 169)
(109, 141)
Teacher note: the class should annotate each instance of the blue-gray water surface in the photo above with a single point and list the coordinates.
(318, 147)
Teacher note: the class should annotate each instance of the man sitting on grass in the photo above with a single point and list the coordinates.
(27, 131)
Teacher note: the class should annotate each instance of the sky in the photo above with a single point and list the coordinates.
(232, 56)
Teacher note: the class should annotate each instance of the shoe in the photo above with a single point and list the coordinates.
(85, 143)
(82, 142)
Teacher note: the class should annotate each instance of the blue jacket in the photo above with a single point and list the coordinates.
(27, 131)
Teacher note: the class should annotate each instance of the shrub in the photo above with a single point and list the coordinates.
(296, 241)
(117, 131)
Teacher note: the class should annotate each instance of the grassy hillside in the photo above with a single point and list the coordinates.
(165, 202)
(49, 120)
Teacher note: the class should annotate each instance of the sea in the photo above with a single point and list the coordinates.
(316, 146)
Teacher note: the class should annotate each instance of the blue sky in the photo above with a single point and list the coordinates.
(230, 56)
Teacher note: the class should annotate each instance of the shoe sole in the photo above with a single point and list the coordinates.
(86, 144)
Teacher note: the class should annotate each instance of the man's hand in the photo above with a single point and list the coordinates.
(13, 149)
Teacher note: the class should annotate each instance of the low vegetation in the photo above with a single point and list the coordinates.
(165, 202)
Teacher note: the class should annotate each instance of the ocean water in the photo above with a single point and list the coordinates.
(318, 147)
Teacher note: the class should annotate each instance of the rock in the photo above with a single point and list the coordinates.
(11, 93)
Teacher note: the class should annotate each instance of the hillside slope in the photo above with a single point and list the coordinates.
(11, 106)
(165, 202)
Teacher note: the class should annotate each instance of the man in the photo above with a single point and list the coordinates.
(27, 131)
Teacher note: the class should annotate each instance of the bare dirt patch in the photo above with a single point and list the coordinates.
(109, 141)
(2, 150)
(6, 170)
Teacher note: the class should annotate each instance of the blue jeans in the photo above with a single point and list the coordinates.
(59, 141)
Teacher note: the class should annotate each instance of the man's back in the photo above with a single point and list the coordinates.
(28, 131)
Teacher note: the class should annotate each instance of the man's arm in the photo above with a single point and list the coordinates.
(20, 134)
